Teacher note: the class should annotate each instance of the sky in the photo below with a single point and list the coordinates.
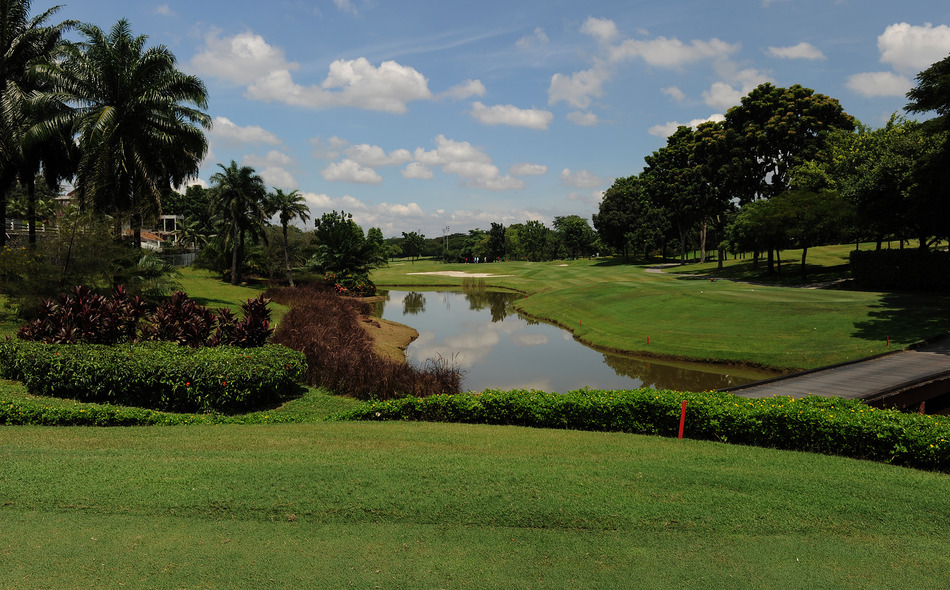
(439, 116)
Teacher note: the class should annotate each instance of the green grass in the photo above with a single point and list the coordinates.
(404, 505)
(617, 306)
(207, 288)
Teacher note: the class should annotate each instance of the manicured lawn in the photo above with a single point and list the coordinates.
(406, 505)
(621, 306)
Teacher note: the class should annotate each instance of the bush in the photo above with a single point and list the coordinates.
(156, 375)
(832, 426)
(340, 355)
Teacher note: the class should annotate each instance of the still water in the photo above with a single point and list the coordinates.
(497, 348)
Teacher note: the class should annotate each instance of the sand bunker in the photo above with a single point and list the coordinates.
(459, 273)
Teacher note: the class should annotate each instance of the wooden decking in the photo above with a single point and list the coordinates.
(899, 378)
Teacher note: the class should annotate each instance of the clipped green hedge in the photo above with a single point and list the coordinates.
(832, 426)
(156, 375)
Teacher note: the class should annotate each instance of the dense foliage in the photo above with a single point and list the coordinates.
(832, 426)
(340, 355)
(901, 270)
(156, 375)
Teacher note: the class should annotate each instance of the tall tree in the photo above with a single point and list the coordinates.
(412, 244)
(138, 120)
(497, 247)
(342, 246)
(576, 235)
(288, 206)
(240, 198)
(533, 236)
(25, 43)
(628, 219)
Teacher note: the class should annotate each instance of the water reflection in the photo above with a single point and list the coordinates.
(497, 348)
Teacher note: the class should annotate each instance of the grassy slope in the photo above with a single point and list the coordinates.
(620, 306)
(430, 505)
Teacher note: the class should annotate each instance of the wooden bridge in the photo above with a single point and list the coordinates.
(904, 379)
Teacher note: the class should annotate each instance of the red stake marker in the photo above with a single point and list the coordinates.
(682, 418)
(888, 340)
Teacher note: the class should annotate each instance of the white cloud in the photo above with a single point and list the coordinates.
(164, 10)
(229, 131)
(350, 171)
(592, 199)
(277, 176)
(910, 49)
(722, 95)
(448, 151)
(672, 53)
(273, 158)
(373, 155)
(527, 169)
(603, 30)
(879, 84)
(466, 161)
(345, 6)
(578, 89)
(801, 51)
(466, 89)
(674, 92)
(583, 119)
(535, 39)
(668, 128)
(241, 59)
(352, 83)
(329, 149)
(580, 179)
(417, 170)
(511, 115)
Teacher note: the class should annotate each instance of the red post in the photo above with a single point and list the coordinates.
(922, 408)
(648, 340)
(888, 341)
(682, 418)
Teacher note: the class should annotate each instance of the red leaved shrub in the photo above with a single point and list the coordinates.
(340, 355)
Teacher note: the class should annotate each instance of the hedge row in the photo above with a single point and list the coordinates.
(903, 270)
(832, 426)
(155, 375)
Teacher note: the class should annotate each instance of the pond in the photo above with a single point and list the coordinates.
(497, 348)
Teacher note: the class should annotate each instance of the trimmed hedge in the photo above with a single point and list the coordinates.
(832, 426)
(156, 375)
(901, 270)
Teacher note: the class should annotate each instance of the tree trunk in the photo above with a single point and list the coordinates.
(682, 233)
(31, 211)
(702, 243)
(290, 279)
(778, 256)
(3, 219)
(770, 265)
(804, 253)
(234, 253)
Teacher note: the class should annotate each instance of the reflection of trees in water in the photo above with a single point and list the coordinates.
(413, 303)
(660, 376)
(500, 304)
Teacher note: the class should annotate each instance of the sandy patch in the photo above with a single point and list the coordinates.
(459, 274)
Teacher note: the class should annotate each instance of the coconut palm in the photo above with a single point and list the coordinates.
(24, 43)
(288, 206)
(137, 118)
(239, 197)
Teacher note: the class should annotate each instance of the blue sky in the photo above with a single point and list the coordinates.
(419, 115)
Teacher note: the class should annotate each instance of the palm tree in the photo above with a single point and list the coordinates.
(239, 197)
(24, 43)
(137, 118)
(288, 206)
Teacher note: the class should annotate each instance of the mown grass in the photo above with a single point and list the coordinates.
(619, 306)
(453, 506)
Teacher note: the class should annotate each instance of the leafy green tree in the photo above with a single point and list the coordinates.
(240, 198)
(497, 246)
(137, 118)
(576, 235)
(628, 219)
(342, 247)
(533, 236)
(288, 206)
(25, 43)
(412, 244)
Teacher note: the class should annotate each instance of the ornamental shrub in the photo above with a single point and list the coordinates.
(828, 425)
(156, 375)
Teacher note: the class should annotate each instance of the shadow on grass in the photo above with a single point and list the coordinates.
(790, 274)
(906, 318)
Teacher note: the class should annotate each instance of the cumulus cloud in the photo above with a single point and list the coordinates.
(580, 179)
(527, 169)
(329, 149)
(353, 83)
(373, 155)
(507, 114)
(241, 59)
(910, 49)
(278, 177)
(879, 84)
(417, 170)
(674, 92)
(672, 53)
(583, 119)
(580, 88)
(468, 162)
(345, 6)
(350, 171)
(227, 130)
(801, 51)
(536, 39)
(602, 29)
(722, 95)
(164, 10)
(273, 158)
(668, 128)
(466, 89)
